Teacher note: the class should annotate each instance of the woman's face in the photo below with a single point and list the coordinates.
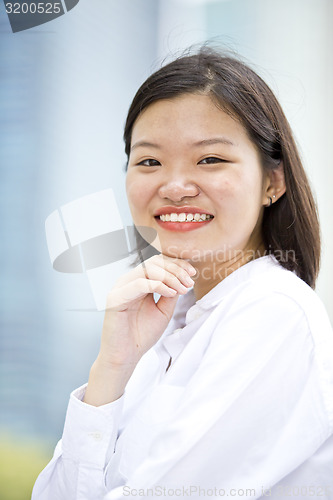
(188, 157)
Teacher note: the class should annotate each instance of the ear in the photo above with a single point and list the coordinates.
(274, 185)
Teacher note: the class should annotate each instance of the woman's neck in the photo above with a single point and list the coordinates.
(209, 274)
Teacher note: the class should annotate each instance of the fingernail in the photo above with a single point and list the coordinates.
(189, 281)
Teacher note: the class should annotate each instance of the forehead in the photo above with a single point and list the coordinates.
(188, 118)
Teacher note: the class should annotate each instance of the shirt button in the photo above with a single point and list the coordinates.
(193, 314)
(96, 436)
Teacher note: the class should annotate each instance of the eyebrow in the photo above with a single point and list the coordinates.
(215, 140)
(204, 142)
(145, 144)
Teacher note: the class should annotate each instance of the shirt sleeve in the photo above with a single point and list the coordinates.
(253, 411)
(76, 471)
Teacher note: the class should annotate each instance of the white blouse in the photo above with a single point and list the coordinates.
(245, 409)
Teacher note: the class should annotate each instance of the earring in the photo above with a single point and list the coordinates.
(270, 202)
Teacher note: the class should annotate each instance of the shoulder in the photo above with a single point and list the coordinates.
(269, 309)
(266, 304)
(284, 294)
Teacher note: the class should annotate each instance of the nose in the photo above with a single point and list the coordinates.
(177, 189)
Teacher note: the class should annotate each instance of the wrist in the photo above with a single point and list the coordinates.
(111, 366)
(107, 382)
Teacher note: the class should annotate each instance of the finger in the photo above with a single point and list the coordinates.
(180, 272)
(179, 268)
(166, 261)
(167, 305)
(183, 270)
(119, 299)
(154, 272)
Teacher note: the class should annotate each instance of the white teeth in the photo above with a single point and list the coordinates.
(173, 217)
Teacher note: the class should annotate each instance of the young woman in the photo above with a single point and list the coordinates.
(223, 386)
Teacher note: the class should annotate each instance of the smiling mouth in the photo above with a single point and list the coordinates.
(184, 217)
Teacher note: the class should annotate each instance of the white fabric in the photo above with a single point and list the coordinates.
(245, 410)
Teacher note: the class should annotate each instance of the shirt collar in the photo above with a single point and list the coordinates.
(188, 310)
(224, 287)
(237, 277)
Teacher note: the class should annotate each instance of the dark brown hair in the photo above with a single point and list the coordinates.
(290, 226)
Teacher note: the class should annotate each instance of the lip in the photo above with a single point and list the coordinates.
(186, 209)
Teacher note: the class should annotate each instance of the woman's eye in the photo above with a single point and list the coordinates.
(150, 162)
(211, 159)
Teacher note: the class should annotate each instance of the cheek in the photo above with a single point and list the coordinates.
(239, 196)
(247, 185)
(227, 190)
(138, 194)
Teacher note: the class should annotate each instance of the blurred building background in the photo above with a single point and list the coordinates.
(65, 88)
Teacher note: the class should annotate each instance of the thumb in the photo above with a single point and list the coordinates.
(167, 305)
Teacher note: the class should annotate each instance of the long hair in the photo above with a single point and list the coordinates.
(290, 226)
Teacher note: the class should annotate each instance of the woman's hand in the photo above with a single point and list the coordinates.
(133, 322)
